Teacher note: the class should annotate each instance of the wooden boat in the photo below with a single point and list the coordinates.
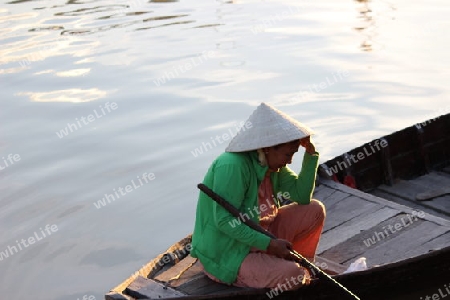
(402, 155)
(176, 275)
(410, 166)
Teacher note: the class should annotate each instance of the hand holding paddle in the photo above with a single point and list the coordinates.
(281, 248)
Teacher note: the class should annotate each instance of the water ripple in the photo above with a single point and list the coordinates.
(86, 11)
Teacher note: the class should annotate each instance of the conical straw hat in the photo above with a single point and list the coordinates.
(269, 127)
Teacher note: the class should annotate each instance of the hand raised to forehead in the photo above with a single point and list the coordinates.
(308, 145)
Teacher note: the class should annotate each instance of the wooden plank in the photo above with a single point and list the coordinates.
(152, 289)
(403, 189)
(193, 273)
(387, 203)
(434, 193)
(117, 296)
(176, 270)
(355, 226)
(420, 186)
(334, 198)
(357, 245)
(436, 243)
(345, 210)
(440, 204)
(430, 180)
(435, 185)
(138, 283)
(436, 208)
(322, 192)
(394, 249)
(438, 177)
(418, 206)
(201, 286)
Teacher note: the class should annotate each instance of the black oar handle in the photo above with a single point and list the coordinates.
(250, 223)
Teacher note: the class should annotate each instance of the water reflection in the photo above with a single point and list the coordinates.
(88, 31)
(50, 28)
(73, 73)
(369, 27)
(208, 25)
(69, 95)
(18, 1)
(93, 10)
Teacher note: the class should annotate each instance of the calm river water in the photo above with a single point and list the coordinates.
(99, 95)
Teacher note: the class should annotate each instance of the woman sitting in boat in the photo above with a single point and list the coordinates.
(252, 176)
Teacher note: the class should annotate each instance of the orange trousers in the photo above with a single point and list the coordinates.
(302, 226)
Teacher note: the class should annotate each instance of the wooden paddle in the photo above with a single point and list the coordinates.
(250, 223)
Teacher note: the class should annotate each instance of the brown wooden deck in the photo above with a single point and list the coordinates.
(363, 225)
(429, 192)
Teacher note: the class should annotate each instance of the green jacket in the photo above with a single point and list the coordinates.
(219, 241)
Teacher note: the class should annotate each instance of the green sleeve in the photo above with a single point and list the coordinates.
(230, 182)
(300, 187)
